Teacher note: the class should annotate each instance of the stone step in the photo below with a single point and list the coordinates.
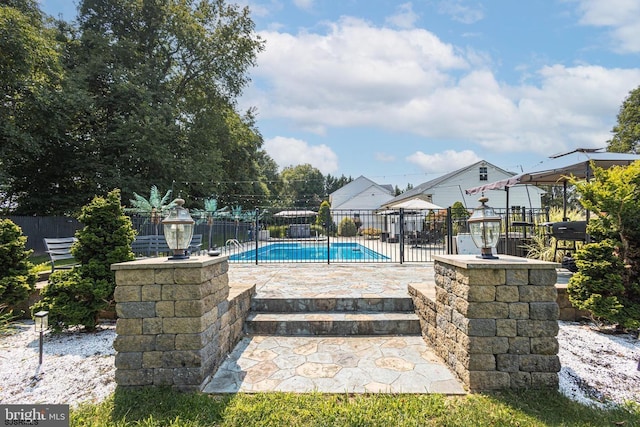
(333, 323)
(297, 305)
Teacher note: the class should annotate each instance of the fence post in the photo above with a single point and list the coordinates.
(401, 236)
(449, 232)
(256, 232)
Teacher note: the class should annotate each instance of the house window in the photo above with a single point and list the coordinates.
(484, 175)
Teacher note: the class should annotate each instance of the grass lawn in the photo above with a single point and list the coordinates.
(168, 408)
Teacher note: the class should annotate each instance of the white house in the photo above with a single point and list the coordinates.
(450, 188)
(358, 199)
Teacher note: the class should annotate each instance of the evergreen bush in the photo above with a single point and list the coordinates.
(76, 297)
(347, 228)
(608, 279)
(325, 220)
(16, 278)
(277, 231)
(459, 217)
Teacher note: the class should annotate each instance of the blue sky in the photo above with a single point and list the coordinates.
(402, 92)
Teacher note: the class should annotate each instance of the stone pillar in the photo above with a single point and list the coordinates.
(170, 329)
(496, 321)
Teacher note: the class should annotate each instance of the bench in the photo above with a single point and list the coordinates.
(59, 248)
(152, 245)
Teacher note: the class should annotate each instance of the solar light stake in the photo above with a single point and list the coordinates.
(41, 319)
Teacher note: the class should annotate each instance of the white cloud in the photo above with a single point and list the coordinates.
(358, 75)
(445, 161)
(354, 67)
(621, 16)
(304, 4)
(405, 17)
(293, 152)
(461, 12)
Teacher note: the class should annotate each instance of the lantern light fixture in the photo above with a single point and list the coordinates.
(178, 230)
(484, 225)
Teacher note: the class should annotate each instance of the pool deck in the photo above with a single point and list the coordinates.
(330, 364)
(412, 253)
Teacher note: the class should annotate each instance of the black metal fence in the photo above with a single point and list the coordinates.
(343, 236)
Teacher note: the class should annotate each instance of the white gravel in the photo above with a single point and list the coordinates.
(597, 369)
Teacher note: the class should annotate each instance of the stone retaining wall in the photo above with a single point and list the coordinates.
(177, 320)
(567, 311)
(493, 322)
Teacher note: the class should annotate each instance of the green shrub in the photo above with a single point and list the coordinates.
(317, 230)
(76, 297)
(608, 279)
(371, 233)
(324, 220)
(597, 285)
(6, 317)
(16, 277)
(459, 217)
(347, 228)
(277, 231)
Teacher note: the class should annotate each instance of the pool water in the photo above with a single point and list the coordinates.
(310, 252)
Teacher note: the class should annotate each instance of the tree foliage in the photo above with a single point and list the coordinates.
(137, 93)
(303, 186)
(30, 92)
(626, 133)
(459, 217)
(333, 183)
(608, 279)
(16, 278)
(76, 297)
(347, 228)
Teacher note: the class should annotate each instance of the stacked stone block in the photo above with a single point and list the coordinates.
(177, 320)
(493, 322)
(567, 310)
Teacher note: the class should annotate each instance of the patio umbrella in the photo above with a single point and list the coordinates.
(295, 214)
(416, 204)
(558, 169)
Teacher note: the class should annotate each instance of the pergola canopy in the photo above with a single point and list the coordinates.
(559, 168)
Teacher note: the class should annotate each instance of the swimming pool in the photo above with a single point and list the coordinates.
(310, 252)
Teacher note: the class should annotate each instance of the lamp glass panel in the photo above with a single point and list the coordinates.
(178, 236)
(41, 320)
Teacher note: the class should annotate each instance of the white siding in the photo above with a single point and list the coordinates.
(453, 190)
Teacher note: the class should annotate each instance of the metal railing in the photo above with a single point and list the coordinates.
(344, 236)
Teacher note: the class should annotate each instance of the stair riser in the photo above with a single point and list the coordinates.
(272, 305)
(342, 328)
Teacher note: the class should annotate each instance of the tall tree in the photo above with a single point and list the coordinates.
(30, 90)
(333, 183)
(626, 133)
(270, 171)
(303, 186)
(165, 82)
(148, 97)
